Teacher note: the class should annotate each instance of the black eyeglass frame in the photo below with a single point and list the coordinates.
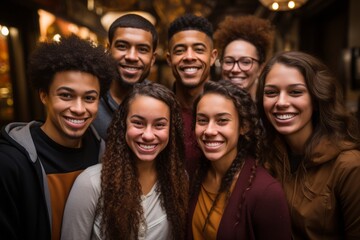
(238, 62)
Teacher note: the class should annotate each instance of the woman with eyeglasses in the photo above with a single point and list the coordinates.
(245, 43)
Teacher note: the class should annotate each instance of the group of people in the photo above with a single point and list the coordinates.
(269, 151)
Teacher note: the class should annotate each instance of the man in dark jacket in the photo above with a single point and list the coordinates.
(39, 161)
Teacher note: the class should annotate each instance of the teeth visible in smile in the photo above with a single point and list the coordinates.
(190, 70)
(76, 121)
(284, 116)
(148, 147)
(213, 144)
(131, 68)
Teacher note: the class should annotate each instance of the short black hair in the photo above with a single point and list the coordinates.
(70, 54)
(134, 21)
(190, 22)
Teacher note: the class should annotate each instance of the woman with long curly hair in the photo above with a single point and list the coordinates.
(312, 146)
(232, 196)
(140, 191)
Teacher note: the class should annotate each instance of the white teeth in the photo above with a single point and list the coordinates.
(190, 70)
(212, 144)
(284, 116)
(76, 121)
(131, 68)
(148, 147)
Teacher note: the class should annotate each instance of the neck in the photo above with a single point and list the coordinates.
(186, 96)
(118, 92)
(147, 175)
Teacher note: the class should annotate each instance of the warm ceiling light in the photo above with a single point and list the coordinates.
(282, 5)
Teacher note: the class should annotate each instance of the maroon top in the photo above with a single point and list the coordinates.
(264, 212)
(192, 151)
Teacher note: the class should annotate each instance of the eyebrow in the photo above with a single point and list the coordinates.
(72, 90)
(193, 45)
(291, 85)
(142, 118)
(126, 42)
(217, 115)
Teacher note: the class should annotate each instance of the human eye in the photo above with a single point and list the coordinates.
(121, 46)
(160, 124)
(65, 95)
(228, 61)
(296, 92)
(201, 121)
(223, 121)
(270, 92)
(144, 49)
(90, 98)
(137, 123)
(245, 61)
(179, 50)
(199, 49)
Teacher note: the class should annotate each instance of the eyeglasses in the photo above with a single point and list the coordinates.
(244, 63)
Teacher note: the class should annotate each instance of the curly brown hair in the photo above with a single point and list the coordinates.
(252, 29)
(249, 144)
(120, 200)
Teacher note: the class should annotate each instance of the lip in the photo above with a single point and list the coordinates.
(75, 122)
(212, 146)
(146, 148)
(130, 69)
(284, 117)
(189, 70)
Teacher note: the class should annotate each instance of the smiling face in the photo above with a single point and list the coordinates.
(148, 125)
(287, 102)
(217, 128)
(71, 105)
(190, 56)
(244, 79)
(132, 49)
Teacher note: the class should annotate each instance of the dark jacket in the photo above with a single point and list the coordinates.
(264, 213)
(25, 211)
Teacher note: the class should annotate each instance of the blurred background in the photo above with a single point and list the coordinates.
(328, 29)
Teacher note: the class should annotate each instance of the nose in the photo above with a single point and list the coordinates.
(210, 129)
(131, 54)
(189, 55)
(78, 106)
(282, 101)
(148, 134)
(236, 67)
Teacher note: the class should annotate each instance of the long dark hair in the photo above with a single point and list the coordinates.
(249, 144)
(330, 117)
(120, 202)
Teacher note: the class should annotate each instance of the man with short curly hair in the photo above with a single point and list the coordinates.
(190, 54)
(39, 161)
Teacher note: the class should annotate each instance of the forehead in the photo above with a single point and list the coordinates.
(75, 80)
(214, 103)
(281, 74)
(149, 107)
(190, 37)
(133, 36)
(240, 48)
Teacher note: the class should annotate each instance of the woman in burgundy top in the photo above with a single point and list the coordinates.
(232, 196)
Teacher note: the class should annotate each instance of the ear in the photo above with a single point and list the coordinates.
(153, 59)
(43, 96)
(168, 58)
(214, 54)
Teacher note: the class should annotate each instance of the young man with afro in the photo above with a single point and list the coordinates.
(39, 161)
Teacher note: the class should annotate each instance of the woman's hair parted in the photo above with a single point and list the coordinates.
(120, 200)
(330, 117)
(249, 143)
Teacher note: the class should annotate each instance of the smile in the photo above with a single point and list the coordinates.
(212, 144)
(284, 116)
(75, 121)
(147, 146)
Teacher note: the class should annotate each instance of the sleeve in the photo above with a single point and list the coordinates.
(347, 191)
(79, 213)
(10, 207)
(272, 216)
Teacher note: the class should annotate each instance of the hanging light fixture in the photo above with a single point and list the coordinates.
(282, 5)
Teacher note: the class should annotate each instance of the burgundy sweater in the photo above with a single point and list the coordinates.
(264, 212)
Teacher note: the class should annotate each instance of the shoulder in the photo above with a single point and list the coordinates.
(89, 180)
(265, 186)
